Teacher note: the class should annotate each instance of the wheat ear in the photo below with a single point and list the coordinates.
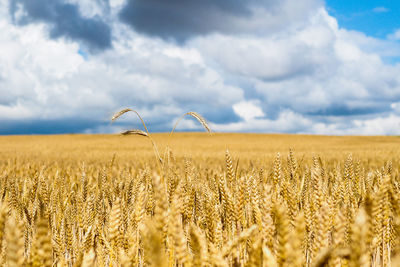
(122, 112)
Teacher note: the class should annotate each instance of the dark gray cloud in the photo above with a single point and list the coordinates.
(221, 115)
(42, 126)
(182, 19)
(76, 125)
(65, 20)
(340, 109)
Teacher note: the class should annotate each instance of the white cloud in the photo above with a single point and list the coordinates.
(248, 110)
(16, 111)
(379, 126)
(382, 125)
(287, 121)
(395, 36)
(117, 3)
(346, 51)
(291, 122)
(318, 69)
(380, 9)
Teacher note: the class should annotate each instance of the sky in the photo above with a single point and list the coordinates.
(316, 67)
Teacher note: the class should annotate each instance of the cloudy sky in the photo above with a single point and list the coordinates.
(288, 66)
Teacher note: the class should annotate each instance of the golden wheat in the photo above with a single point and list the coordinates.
(331, 209)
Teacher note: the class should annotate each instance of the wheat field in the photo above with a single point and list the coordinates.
(213, 200)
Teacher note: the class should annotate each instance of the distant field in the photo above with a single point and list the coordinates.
(271, 200)
(256, 147)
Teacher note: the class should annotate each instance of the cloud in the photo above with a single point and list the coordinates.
(248, 110)
(314, 71)
(381, 125)
(181, 20)
(64, 20)
(287, 121)
(395, 35)
(380, 9)
(160, 80)
(291, 71)
(291, 122)
(59, 126)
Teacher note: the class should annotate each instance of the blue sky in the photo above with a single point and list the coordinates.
(374, 18)
(285, 66)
